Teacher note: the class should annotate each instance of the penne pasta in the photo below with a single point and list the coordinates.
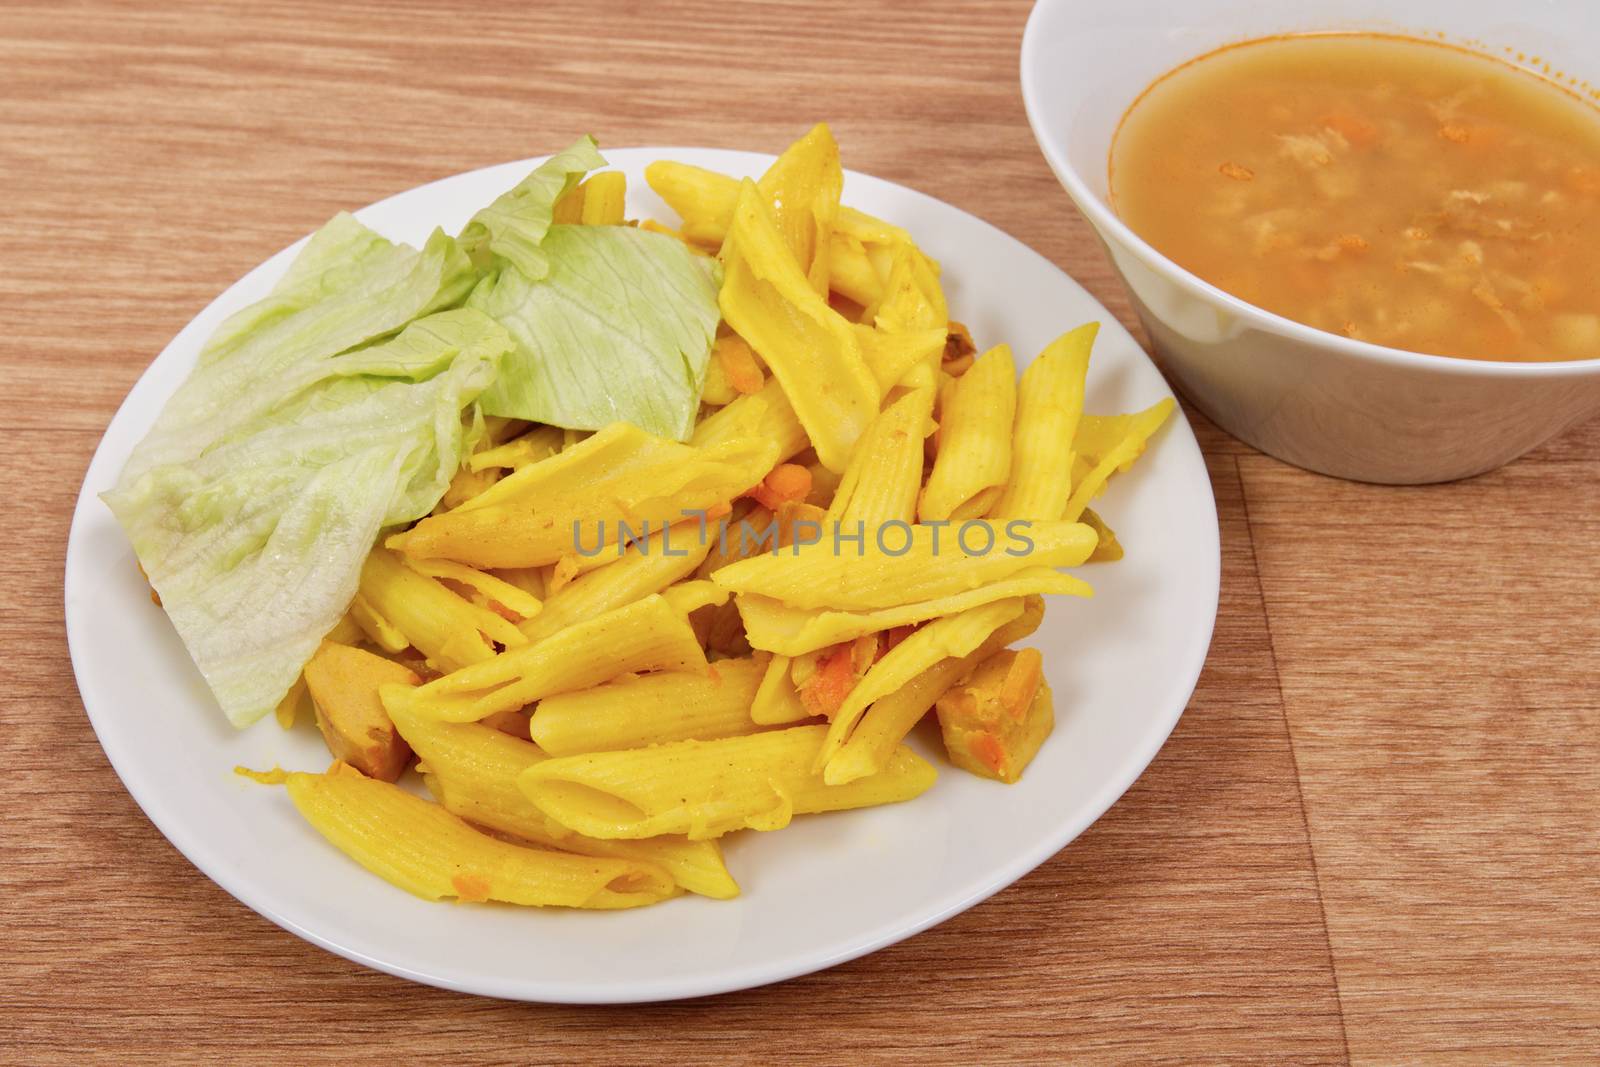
(890, 718)
(1115, 443)
(295, 704)
(374, 627)
(880, 485)
(952, 635)
(1107, 549)
(707, 788)
(777, 701)
(422, 848)
(450, 631)
(935, 564)
(499, 593)
(642, 569)
(765, 414)
(472, 769)
(850, 272)
(528, 579)
(604, 196)
(705, 200)
(912, 297)
(803, 187)
(974, 452)
(811, 350)
(573, 502)
(896, 358)
(689, 597)
(1049, 404)
(648, 635)
(773, 626)
(651, 709)
(542, 442)
(702, 198)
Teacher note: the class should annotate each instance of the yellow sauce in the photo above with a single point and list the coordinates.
(1394, 190)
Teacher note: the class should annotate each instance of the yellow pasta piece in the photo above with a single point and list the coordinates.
(295, 704)
(1134, 431)
(568, 208)
(777, 701)
(717, 391)
(702, 198)
(574, 502)
(936, 563)
(466, 484)
(689, 597)
(374, 627)
(511, 597)
(880, 485)
(472, 770)
(766, 415)
(648, 635)
(539, 443)
(449, 631)
(869, 229)
(707, 788)
(1049, 404)
(912, 297)
(604, 197)
(705, 200)
(679, 538)
(809, 347)
(894, 357)
(974, 452)
(775, 627)
(891, 717)
(1107, 549)
(346, 631)
(850, 272)
(953, 635)
(422, 848)
(749, 529)
(528, 579)
(1097, 435)
(803, 187)
(650, 709)
(644, 568)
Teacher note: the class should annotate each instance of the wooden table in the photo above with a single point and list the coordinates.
(1372, 837)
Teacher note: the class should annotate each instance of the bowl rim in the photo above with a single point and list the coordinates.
(1111, 228)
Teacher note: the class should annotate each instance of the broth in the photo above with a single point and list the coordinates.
(1398, 191)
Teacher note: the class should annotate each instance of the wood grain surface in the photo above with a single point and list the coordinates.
(1372, 837)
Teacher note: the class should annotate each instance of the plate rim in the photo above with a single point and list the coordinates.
(743, 976)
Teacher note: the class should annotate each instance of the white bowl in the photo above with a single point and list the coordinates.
(1317, 400)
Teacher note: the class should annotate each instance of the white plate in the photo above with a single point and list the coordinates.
(830, 887)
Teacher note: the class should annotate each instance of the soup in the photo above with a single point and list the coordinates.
(1393, 190)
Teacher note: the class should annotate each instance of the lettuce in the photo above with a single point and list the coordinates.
(513, 227)
(270, 473)
(619, 330)
(341, 403)
(319, 309)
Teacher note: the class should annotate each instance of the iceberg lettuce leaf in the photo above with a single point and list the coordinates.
(353, 304)
(619, 329)
(270, 473)
(513, 228)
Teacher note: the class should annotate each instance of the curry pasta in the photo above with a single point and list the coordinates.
(608, 644)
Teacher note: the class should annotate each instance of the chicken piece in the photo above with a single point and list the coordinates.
(343, 682)
(995, 721)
